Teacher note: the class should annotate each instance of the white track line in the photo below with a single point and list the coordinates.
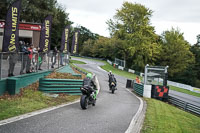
(101, 69)
(135, 117)
(24, 116)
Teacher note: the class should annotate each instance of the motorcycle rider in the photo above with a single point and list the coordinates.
(112, 79)
(89, 82)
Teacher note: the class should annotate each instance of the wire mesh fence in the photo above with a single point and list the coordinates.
(12, 64)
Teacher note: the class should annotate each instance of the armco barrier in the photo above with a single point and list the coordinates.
(69, 86)
(184, 105)
(138, 89)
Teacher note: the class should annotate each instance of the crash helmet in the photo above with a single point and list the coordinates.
(110, 72)
(89, 75)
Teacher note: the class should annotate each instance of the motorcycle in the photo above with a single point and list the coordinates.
(112, 87)
(88, 97)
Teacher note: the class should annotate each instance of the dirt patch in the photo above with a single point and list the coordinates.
(57, 75)
(33, 87)
(76, 71)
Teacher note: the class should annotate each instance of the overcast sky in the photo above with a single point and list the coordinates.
(182, 14)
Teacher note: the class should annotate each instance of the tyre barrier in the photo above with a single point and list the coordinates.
(68, 86)
(138, 89)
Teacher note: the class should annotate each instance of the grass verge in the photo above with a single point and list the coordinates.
(126, 74)
(30, 99)
(184, 91)
(72, 62)
(108, 68)
(77, 62)
(164, 118)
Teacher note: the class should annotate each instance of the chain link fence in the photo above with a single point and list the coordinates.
(12, 64)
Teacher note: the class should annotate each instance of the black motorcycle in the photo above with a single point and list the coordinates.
(88, 97)
(112, 87)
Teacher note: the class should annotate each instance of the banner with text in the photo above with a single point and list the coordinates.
(45, 34)
(74, 49)
(11, 29)
(65, 40)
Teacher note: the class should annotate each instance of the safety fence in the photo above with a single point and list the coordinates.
(184, 105)
(69, 86)
(12, 64)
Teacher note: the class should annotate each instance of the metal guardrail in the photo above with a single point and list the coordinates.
(184, 105)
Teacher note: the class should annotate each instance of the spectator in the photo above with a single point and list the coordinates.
(137, 80)
(40, 58)
(53, 59)
(30, 56)
(25, 52)
(12, 61)
(61, 58)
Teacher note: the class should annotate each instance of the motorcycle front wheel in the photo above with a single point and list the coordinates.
(84, 102)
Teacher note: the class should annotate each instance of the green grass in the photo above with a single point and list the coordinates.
(108, 68)
(72, 65)
(77, 62)
(31, 100)
(184, 91)
(164, 118)
(126, 74)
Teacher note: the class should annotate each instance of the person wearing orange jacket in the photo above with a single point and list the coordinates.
(137, 80)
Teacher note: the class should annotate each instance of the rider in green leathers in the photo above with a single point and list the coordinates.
(89, 82)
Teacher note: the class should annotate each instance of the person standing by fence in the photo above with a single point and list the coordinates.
(24, 54)
(30, 56)
(13, 56)
(53, 59)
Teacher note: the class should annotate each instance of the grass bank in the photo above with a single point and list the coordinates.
(184, 91)
(72, 62)
(164, 118)
(30, 99)
(77, 62)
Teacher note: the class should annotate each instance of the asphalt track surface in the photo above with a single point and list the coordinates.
(112, 113)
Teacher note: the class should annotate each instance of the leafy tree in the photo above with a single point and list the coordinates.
(131, 24)
(85, 34)
(175, 52)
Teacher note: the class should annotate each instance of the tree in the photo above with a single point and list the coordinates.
(175, 52)
(131, 24)
(85, 34)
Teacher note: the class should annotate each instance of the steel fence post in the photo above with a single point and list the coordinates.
(48, 61)
(185, 106)
(58, 60)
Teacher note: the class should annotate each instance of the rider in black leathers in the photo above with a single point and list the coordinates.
(112, 79)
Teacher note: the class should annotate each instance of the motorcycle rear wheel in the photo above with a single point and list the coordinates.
(113, 89)
(84, 102)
